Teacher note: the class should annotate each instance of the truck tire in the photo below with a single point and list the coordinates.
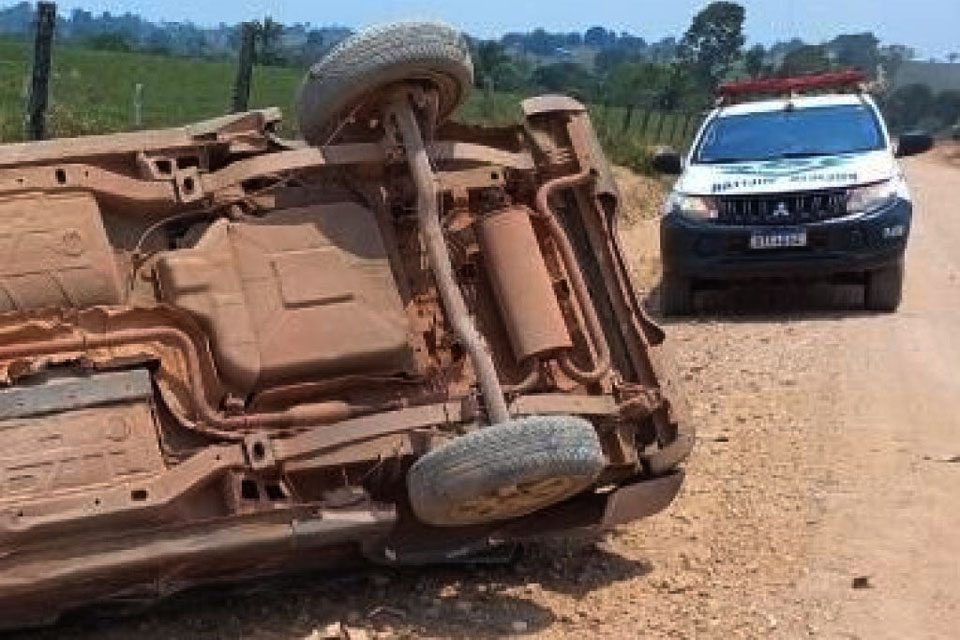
(375, 58)
(505, 471)
(676, 295)
(884, 288)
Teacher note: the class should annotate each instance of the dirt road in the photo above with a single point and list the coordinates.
(829, 458)
(892, 512)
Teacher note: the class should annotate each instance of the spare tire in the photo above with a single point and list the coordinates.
(505, 471)
(348, 78)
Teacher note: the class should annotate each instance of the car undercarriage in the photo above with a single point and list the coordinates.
(226, 354)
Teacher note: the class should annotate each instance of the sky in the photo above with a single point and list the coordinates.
(930, 26)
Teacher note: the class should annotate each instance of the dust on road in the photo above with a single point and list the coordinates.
(820, 501)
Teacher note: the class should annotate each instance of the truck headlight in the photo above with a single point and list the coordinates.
(693, 207)
(871, 197)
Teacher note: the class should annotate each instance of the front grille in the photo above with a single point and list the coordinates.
(782, 209)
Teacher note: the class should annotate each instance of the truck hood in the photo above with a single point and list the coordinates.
(786, 175)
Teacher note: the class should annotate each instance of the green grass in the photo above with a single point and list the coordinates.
(93, 92)
(627, 143)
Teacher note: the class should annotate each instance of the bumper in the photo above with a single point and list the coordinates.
(413, 543)
(708, 251)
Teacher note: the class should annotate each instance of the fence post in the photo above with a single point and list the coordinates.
(688, 121)
(628, 117)
(674, 121)
(241, 87)
(644, 124)
(138, 105)
(40, 81)
(659, 137)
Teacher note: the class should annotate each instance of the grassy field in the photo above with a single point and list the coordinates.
(93, 92)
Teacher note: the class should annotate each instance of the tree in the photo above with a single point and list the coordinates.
(858, 50)
(652, 85)
(608, 59)
(540, 42)
(779, 50)
(635, 84)
(892, 57)
(713, 41)
(908, 106)
(598, 37)
(953, 56)
(488, 59)
(566, 77)
(946, 107)
(810, 58)
(158, 42)
(753, 60)
(573, 39)
(110, 42)
(664, 50)
(270, 33)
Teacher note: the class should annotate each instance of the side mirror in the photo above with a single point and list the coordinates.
(910, 144)
(668, 161)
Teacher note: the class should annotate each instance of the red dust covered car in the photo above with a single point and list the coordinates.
(227, 354)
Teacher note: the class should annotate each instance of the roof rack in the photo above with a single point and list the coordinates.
(850, 80)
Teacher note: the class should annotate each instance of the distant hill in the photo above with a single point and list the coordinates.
(302, 43)
(294, 44)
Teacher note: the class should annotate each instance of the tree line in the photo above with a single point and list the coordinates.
(597, 65)
(278, 44)
(682, 74)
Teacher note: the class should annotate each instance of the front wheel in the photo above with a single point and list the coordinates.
(884, 288)
(676, 295)
(342, 87)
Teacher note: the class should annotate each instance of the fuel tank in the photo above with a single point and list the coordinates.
(303, 293)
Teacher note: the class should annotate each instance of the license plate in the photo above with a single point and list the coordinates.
(778, 239)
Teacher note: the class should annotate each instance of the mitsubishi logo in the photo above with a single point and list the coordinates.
(781, 211)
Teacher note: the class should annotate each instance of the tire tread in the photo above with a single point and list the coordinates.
(376, 57)
(502, 455)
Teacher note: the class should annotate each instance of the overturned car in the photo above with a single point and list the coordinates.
(228, 354)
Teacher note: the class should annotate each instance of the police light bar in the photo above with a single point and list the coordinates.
(841, 79)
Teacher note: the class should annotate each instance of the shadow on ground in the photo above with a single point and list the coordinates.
(453, 601)
(770, 301)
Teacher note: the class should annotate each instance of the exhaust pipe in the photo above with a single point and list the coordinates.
(428, 199)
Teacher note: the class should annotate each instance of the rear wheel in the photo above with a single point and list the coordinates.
(884, 288)
(505, 471)
(676, 295)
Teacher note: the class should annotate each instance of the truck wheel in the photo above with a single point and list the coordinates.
(884, 288)
(347, 78)
(505, 471)
(676, 295)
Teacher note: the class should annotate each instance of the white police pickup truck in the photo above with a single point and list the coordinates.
(792, 186)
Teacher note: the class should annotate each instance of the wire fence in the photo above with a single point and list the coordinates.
(649, 127)
(636, 126)
(93, 91)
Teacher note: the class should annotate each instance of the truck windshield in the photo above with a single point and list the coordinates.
(798, 133)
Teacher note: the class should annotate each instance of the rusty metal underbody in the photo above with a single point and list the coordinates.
(220, 352)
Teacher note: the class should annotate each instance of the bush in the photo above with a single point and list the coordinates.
(110, 42)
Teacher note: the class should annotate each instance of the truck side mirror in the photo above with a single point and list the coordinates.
(667, 160)
(910, 144)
